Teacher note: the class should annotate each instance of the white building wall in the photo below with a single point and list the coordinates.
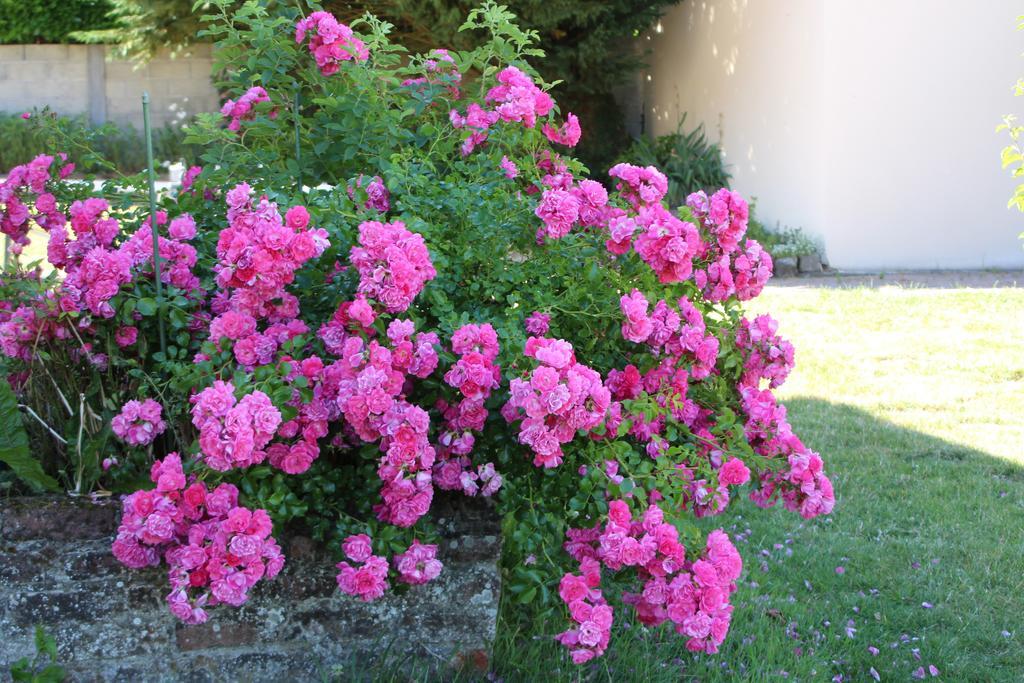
(869, 123)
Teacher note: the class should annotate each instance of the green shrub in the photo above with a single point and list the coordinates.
(693, 163)
(122, 146)
(493, 240)
(781, 241)
(50, 21)
(689, 160)
(586, 48)
(587, 45)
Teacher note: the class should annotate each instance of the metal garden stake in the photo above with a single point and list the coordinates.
(152, 221)
(298, 159)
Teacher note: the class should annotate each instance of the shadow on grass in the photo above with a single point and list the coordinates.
(930, 539)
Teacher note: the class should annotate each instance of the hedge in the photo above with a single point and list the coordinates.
(50, 21)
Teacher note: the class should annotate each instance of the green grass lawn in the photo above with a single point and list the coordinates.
(915, 398)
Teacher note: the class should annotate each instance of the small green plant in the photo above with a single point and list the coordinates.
(43, 668)
(1013, 154)
(14, 448)
(781, 241)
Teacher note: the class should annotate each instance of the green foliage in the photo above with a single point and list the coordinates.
(43, 668)
(589, 47)
(1013, 153)
(97, 149)
(480, 227)
(586, 44)
(14, 449)
(50, 21)
(140, 27)
(690, 161)
(781, 241)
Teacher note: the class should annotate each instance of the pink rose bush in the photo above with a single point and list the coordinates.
(393, 264)
(367, 577)
(216, 551)
(440, 72)
(567, 134)
(691, 593)
(242, 109)
(454, 310)
(560, 398)
(770, 357)
(590, 613)
(233, 433)
(475, 376)
(26, 186)
(377, 195)
(330, 42)
(418, 564)
(139, 423)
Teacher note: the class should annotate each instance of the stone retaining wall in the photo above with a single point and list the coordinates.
(111, 623)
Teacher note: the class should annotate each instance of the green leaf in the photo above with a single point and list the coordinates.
(22, 670)
(14, 450)
(281, 395)
(51, 673)
(146, 306)
(45, 643)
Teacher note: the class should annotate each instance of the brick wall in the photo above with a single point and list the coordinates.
(111, 623)
(80, 79)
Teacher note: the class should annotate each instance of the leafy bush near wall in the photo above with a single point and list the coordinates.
(50, 21)
(587, 46)
(117, 147)
(456, 310)
(693, 163)
(690, 161)
(781, 241)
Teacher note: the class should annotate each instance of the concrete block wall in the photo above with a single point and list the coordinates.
(85, 80)
(178, 88)
(37, 75)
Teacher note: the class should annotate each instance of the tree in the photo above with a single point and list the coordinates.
(50, 21)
